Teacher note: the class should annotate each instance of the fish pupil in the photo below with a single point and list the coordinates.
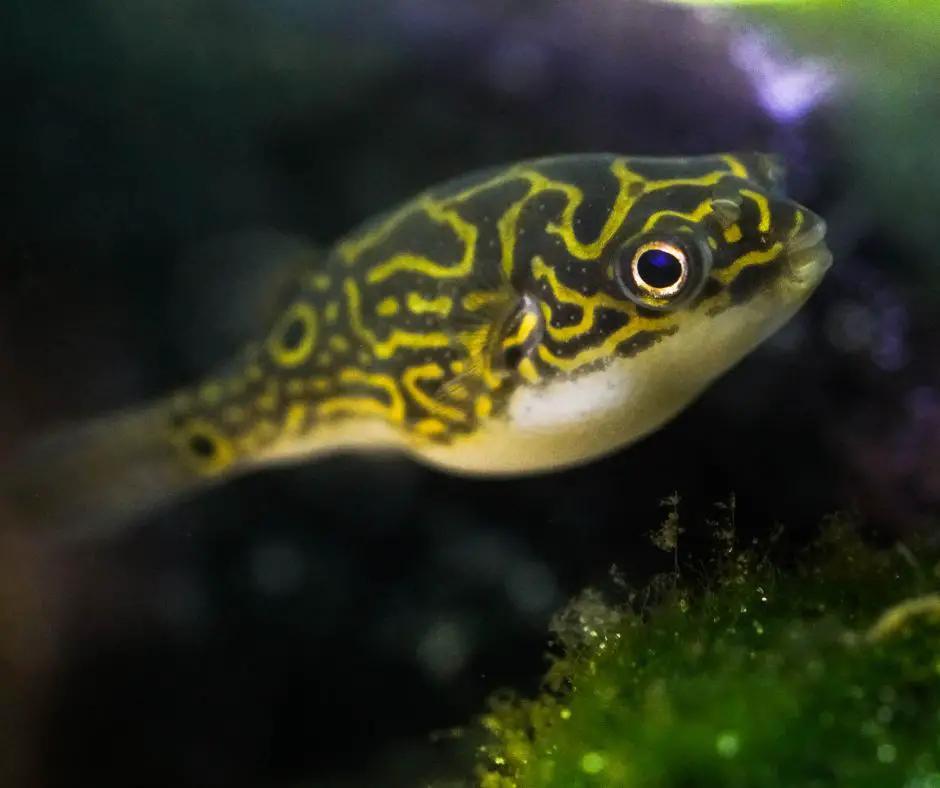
(293, 335)
(659, 268)
(202, 446)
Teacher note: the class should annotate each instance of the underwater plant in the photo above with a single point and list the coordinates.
(826, 673)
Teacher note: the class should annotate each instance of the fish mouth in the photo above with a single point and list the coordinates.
(808, 257)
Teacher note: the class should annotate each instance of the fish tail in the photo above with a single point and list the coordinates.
(98, 476)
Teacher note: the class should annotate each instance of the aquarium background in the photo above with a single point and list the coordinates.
(315, 625)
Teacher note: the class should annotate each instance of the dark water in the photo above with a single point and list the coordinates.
(314, 625)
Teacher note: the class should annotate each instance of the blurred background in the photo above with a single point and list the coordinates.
(313, 626)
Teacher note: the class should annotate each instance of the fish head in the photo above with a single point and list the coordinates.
(605, 348)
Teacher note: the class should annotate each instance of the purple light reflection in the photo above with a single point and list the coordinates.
(788, 88)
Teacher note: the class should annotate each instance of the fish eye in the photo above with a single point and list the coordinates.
(661, 272)
(659, 269)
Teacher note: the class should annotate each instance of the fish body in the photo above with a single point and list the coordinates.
(513, 321)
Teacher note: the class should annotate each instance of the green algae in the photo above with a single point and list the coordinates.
(825, 674)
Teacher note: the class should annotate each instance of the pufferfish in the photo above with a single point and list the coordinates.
(518, 320)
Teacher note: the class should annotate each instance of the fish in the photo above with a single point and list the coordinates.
(518, 320)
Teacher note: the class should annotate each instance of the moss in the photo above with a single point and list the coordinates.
(827, 674)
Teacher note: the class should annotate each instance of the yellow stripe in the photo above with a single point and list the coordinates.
(604, 350)
(483, 406)
(527, 326)
(626, 197)
(763, 206)
(565, 295)
(507, 225)
(528, 371)
(465, 231)
(397, 339)
(294, 420)
(797, 225)
(702, 210)
(393, 411)
(424, 306)
(351, 406)
(350, 249)
(736, 167)
(430, 427)
(411, 378)
(757, 257)
(386, 383)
